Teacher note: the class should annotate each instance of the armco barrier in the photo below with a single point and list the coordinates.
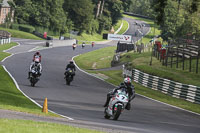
(188, 92)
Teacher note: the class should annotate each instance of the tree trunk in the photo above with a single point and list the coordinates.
(102, 7)
(98, 8)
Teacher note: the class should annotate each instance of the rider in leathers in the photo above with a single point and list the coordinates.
(37, 55)
(38, 66)
(129, 88)
(72, 67)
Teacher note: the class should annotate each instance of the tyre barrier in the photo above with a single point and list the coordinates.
(123, 46)
(175, 89)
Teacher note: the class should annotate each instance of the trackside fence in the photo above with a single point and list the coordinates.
(188, 92)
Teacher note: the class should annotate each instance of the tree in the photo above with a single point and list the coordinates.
(115, 8)
(81, 13)
(126, 5)
(159, 7)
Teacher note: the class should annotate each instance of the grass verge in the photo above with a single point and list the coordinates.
(4, 47)
(142, 61)
(96, 59)
(24, 126)
(124, 27)
(21, 34)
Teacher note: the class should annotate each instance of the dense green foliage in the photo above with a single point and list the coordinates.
(62, 16)
(176, 18)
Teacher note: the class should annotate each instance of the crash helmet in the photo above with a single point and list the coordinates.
(127, 81)
(37, 53)
(71, 62)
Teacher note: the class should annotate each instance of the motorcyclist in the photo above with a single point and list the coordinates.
(72, 67)
(37, 55)
(74, 46)
(36, 64)
(129, 89)
(83, 44)
(92, 44)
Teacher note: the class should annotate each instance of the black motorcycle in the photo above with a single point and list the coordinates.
(69, 75)
(34, 77)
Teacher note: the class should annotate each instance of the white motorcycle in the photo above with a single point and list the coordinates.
(116, 104)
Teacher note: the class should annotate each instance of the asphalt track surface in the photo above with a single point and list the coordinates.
(84, 99)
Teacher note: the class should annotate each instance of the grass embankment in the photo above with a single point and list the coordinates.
(124, 27)
(13, 99)
(24, 126)
(141, 62)
(21, 34)
(4, 47)
(102, 59)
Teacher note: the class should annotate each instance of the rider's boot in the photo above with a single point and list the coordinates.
(28, 75)
(107, 101)
(128, 106)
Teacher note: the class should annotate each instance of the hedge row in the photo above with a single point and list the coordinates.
(22, 27)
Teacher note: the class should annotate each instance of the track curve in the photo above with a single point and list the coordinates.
(83, 100)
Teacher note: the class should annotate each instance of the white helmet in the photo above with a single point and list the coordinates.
(127, 81)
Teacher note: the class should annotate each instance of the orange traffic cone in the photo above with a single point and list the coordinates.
(45, 107)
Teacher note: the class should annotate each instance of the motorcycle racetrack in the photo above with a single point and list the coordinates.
(83, 100)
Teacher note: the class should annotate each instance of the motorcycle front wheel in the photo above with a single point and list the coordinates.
(32, 82)
(106, 115)
(116, 113)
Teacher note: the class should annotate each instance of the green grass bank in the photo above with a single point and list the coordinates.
(4, 47)
(27, 126)
(21, 34)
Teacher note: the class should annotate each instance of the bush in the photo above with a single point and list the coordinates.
(26, 28)
(49, 32)
(15, 26)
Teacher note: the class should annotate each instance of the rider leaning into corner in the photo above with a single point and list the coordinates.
(129, 89)
(70, 66)
(38, 66)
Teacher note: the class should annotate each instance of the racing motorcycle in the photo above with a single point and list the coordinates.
(116, 104)
(34, 78)
(69, 74)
